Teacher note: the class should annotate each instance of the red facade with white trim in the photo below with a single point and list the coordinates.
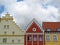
(34, 35)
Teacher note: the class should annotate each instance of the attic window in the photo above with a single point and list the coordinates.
(58, 29)
(34, 29)
(48, 29)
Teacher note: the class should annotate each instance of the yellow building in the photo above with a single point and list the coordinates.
(54, 38)
(10, 33)
(52, 33)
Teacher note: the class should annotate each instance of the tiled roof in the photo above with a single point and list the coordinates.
(51, 25)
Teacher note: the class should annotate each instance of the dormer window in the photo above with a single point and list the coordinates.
(48, 29)
(58, 29)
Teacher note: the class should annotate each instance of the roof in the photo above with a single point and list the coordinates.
(51, 25)
(35, 22)
(7, 16)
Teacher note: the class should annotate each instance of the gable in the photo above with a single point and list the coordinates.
(34, 28)
(12, 27)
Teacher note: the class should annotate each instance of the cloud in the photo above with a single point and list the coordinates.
(6, 2)
(25, 11)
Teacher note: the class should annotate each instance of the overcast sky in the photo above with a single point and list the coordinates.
(24, 11)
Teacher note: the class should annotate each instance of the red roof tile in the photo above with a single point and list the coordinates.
(51, 25)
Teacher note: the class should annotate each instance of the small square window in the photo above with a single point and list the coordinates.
(5, 32)
(4, 40)
(19, 41)
(4, 26)
(7, 26)
(13, 32)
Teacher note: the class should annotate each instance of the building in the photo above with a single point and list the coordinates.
(34, 35)
(52, 33)
(0, 19)
(10, 33)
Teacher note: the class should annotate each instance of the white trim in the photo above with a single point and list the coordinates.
(32, 39)
(34, 20)
(34, 33)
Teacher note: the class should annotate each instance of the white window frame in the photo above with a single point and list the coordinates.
(55, 37)
(47, 37)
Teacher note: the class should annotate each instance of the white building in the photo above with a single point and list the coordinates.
(10, 33)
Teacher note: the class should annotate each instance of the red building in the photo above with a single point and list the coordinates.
(34, 35)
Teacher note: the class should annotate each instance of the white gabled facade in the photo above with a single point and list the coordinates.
(10, 33)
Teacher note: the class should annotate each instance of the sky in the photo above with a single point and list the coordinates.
(24, 11)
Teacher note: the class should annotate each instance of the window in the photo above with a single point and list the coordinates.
(6, 20)
(40, 38)
(48, 29)
(34, 29)
(4, 26)
(19, 41)
(54, 37)
(12, 41)
(29, 38)
(7, 26)
(47, 38)
(4, 40)
(58, 29)
(5, 32)
(13, 32)
(35, 38)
